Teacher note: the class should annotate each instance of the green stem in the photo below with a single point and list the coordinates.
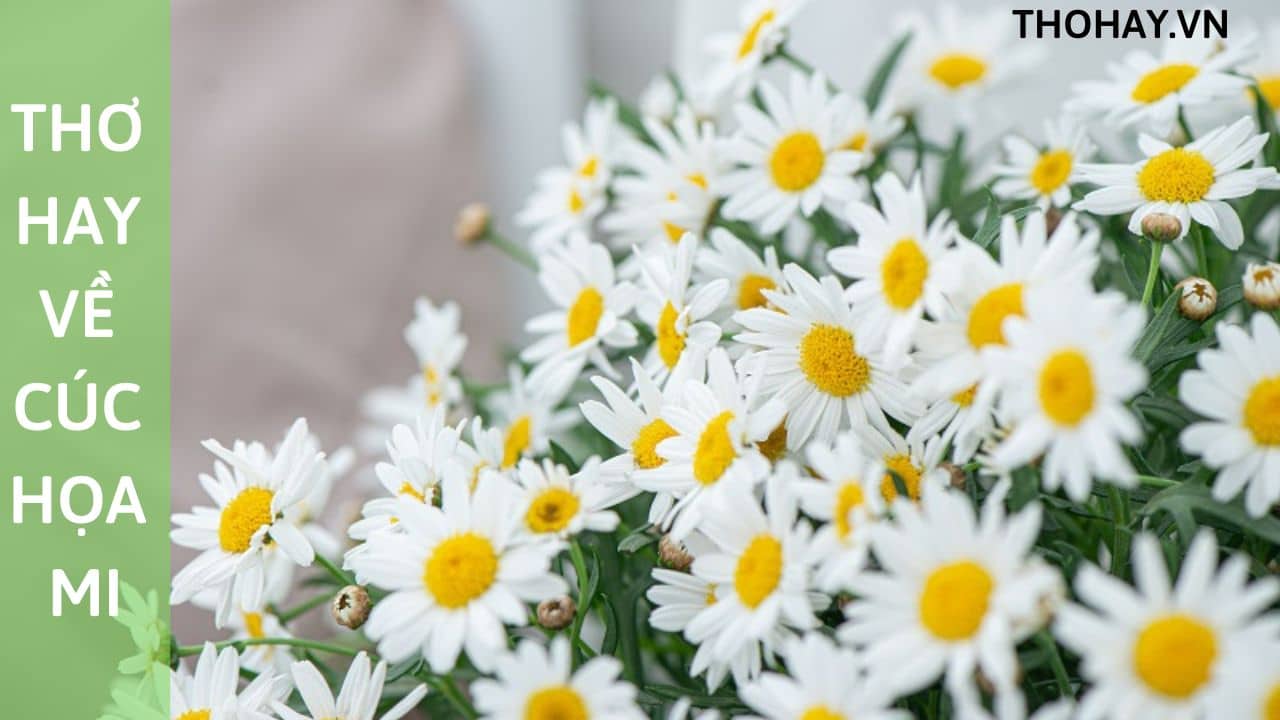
(1202, 259)
(294, 613)
(240, 645)
(1050, 648)
(1182, 123)
(579, 569)
(783, 54)
(1120, 520)
(338, 573)
(1153, 271)
(514, 251)
(1153, 481)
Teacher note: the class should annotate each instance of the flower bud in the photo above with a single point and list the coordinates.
(1199, 298)
(673, 554)
(472, 223)
(1261, 283)
(350, 607)
(557, 613)
(1161, 227)
(958, 477)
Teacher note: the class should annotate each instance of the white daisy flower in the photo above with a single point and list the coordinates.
(636, 426)
(916, 463)
(956, 592)
(863, 130)
(901, 265)
(358, 700)
(681, 320)
(213, 691)
(717, 426)
(527, 417)
(952, 347)
(738, 55)
(791, 159)
(555, 504)
(539, 683)
(1044, 174)
(1265, 69)
(761, 569)
(386, 406)
(1063, 380)
(817, 360)
(567, 200)
(958, 423)
(1159, 650)
(489, 447)
(670, 192)
(823, 680)
(435, 339)
(1250, 681)
(846, 497)
(954, 59)
(1148, 91)
(579, 279)
(253, 491)
(1236, 387)
(456, 576)
(1192, 182)
(748, 274)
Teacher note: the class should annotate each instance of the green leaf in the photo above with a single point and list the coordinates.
(562, 456)
(884, 71)
(1156, 330)
(637, 539)
(990, 229)
(1185, 500)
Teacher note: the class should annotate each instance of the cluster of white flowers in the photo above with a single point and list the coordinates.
(899, 428)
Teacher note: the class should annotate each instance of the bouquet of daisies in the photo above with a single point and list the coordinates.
(839, 412)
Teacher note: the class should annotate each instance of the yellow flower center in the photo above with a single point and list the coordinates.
(1262, 411)
(407, 490)
(576, 203)
(964, 398)
(645, 447)
(986, 319)
(584, 316)
(1270, 87)
(551, 510)
(955, 70)
(759, 570)
(751, 291)
(1271, 706)
(797, 161)
(1176, 175)
(821, 712)
(1051, 171)
(714, 453)
(196, 715)
(954, 600)
(460, 569)
(698, 179)
(1174, 655)
(242, 518)
(856, 143)
(907, 471)
(774, 446)
(1066, 387)
(589, 166)
(558, 702)
(903, 273)
(829, 358)
(673, 232)
(519, 436)
(253, 625)
(1163, 80)
(752, 36)
(849, 497)
(670, 341)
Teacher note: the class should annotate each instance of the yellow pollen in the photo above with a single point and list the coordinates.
(410, 491)
(196, 715)
(460, 569)
(584, 316)
(1270, 87)
(517, 440)
(1051, 171)
(774, 447)
(857, 143)
(955, 70)
(589, 166)
(1163, 80)
(829, 358)
(907, 471)
(903, 273)
(552, 510)
(698, 179)
(751, 291)
(1176, 175)
(986, 319)
(759, 570)
(821, 712)
(558, 702)
(670, 341)
(752, 35)
(243, 517)
(954, 600)
(576, 203)
(673, 232)
(715, 452)
(645, 447)
(797, 161)
(849, 497)
(1066, 387)
(964, 398)
(1271, 707)
(1262, 411)
(1174, 655)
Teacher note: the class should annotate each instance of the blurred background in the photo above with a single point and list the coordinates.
(321, 149)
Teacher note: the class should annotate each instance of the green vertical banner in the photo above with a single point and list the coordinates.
(84, 360)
